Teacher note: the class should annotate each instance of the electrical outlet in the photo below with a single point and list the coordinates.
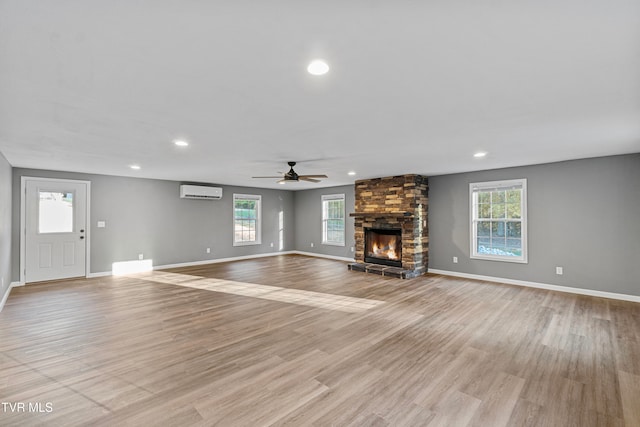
(353, 249)
(455, 259)
(140, 256)
(559, 271)
(102, 224)
(208, 250)
(311, 244)
(271, 244)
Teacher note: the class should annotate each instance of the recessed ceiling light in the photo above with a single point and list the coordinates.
(352, 173)
(318, 67)
(480, 154)
(135, 167)
(181, 143)
(281, 182)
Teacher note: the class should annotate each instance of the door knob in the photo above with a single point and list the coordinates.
(82, 237)
(82, 231)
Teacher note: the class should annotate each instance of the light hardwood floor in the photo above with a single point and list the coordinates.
(293, 341)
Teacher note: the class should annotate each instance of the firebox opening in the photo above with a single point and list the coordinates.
(383, 246)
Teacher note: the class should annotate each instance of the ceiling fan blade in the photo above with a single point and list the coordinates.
(266, 176)
(314, 176)
(306, 178)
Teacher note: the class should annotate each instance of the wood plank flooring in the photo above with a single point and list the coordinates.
(297, 341)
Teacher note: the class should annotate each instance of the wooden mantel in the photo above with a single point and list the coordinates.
(381, 214)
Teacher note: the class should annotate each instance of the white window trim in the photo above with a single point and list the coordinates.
(524, 259)
(326, 197)
(258, 198)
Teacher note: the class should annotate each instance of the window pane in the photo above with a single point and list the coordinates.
(497, 211)
(513, 210)
(484, 228)
(498, 245)
(497, 196)
(497, 229)
(484, 211)
(514, 229)
(514, 243)
(337, 237)
(513, 196)
(484, 197)
(55, 214)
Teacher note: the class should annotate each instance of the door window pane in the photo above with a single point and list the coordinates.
(55, 212)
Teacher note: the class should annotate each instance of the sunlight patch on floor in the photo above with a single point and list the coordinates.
(272, 293)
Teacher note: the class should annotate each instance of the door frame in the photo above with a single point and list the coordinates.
(23, 222)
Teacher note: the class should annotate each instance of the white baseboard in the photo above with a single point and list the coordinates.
(219, 260)
(99, 274)
(313, 254)
(4, 297)
(203, 262)
(230, 259)
(7, 292)
(567, 289)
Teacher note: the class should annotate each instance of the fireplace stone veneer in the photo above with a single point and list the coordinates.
(396, 202)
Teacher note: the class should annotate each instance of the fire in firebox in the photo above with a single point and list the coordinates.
(383, 246)
(385, 249)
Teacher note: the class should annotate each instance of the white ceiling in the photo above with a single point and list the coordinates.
(414, 86)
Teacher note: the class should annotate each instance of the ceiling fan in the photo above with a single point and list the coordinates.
(292, 176)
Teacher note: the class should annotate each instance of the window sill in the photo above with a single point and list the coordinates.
(246, 243)
(516, 260)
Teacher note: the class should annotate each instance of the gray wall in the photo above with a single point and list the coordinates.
(147, 216)
(584, 215)
(5, 225)
(308, 225)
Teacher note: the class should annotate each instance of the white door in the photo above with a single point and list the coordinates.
(55, 229)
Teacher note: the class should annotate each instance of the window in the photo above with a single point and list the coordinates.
(333, 219)
(55, 212)
(499, 220)
(246, 219)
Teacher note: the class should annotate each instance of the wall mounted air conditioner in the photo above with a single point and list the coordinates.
(200, 192)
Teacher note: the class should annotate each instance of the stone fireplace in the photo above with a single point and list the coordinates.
(391, 227)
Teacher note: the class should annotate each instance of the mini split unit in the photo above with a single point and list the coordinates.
(200, 192)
